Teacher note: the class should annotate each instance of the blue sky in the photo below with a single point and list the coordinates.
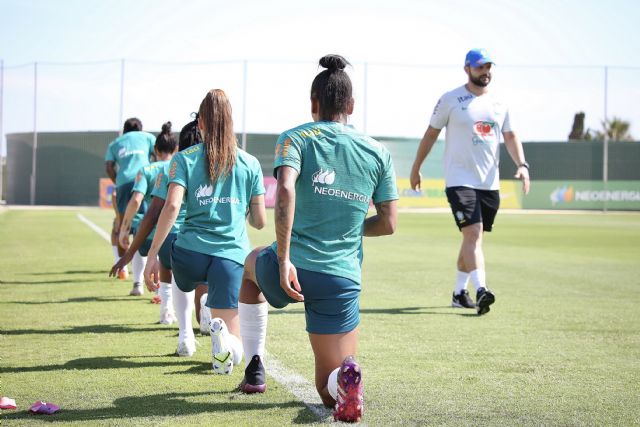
(283, 40)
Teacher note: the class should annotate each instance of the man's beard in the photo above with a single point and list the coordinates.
(478, 82)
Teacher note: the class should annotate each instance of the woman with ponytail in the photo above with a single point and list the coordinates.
(222, 188)
(328, 173)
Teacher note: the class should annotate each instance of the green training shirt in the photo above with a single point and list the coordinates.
(215, 223)
(341, 171)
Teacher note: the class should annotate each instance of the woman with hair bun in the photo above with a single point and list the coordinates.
(183, 302)
(165, 147)
(328, 173)
(222, 187)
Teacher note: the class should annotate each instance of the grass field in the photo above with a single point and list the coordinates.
(561, 346)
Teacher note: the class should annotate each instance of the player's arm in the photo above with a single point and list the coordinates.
(127, 218)
(144, 229)
(284, 213)
(257, 215)
(426, 144)
(110, 168)
(165, 222)
(514, 147)
(384, 221)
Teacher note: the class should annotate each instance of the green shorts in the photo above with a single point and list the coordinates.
(331, 303)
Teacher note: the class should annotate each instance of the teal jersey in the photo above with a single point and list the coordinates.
(216, 212)
(130, 152)
(341, 171)
(144, 182)
(160, 190)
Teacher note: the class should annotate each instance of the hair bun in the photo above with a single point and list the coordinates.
(333, 62)
(166, 127)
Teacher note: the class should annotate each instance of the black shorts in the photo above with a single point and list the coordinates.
(471, 206)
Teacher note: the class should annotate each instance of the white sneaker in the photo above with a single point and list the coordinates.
(205, 316)
(167, 317)
(222, 357)
(137, 290)
(186, 348)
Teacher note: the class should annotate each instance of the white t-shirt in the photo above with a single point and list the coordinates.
(474, 130)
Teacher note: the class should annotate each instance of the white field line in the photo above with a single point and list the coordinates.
(106, 236)
(300, 387)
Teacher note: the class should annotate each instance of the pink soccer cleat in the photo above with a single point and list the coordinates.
(350, 403)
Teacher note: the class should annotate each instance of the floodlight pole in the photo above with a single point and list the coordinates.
(35, 134)
(244, 105)
(364, 98)
(605, 142)
(121, 97)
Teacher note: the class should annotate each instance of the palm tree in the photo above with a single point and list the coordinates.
(616, 129)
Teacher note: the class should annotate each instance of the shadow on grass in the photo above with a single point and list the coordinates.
(53, 273)
(168, 405)
(79, 300)
(396, 310)
(43, 282)
(117, 362)
(89, 329)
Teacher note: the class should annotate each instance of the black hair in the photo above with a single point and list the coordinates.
(131, 125)
(190, 134)
(332, 87)
(166, 142)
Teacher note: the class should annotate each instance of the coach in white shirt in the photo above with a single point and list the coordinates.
(475, 121)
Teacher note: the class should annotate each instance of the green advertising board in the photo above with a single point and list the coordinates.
(614, 195)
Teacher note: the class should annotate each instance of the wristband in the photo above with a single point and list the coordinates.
(524, 164)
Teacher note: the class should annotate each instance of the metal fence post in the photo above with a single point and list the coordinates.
(2, 143)
(35, 134)
(120, 119)
(605, 142)
(244, 105)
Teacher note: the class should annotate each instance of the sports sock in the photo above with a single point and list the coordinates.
(166, 301)
(137, 265)
(478, 278)
(332, 383)
(183, 304)
(236, 347)
(116, 257)
(253, 329)
(462, 278)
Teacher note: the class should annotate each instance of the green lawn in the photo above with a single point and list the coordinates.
(561, 346)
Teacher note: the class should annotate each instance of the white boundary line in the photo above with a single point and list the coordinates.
(299, 386)
(106, 236)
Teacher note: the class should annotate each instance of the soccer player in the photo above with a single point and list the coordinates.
(327, 175)
(165, 147)
(124, 158)
(476, 122)
(222, 186)
(183, 302)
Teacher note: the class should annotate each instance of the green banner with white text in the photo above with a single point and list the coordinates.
(614, 195)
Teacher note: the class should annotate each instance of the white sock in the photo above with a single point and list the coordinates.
(253, 329)
(332, 383)
(183, 304)
(462, 278)
(117, 257)
(137, 265)
(166, 301)
(478, 278)
(236, 347)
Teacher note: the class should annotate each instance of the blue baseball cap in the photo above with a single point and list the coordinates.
(477, 58)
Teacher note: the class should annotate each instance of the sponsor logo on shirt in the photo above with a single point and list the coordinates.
(172, 170)
(123, 152)
(207, 191)
(159, 180)
(464, 98)
(435, 109)
(483, 132)
(322, 179)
